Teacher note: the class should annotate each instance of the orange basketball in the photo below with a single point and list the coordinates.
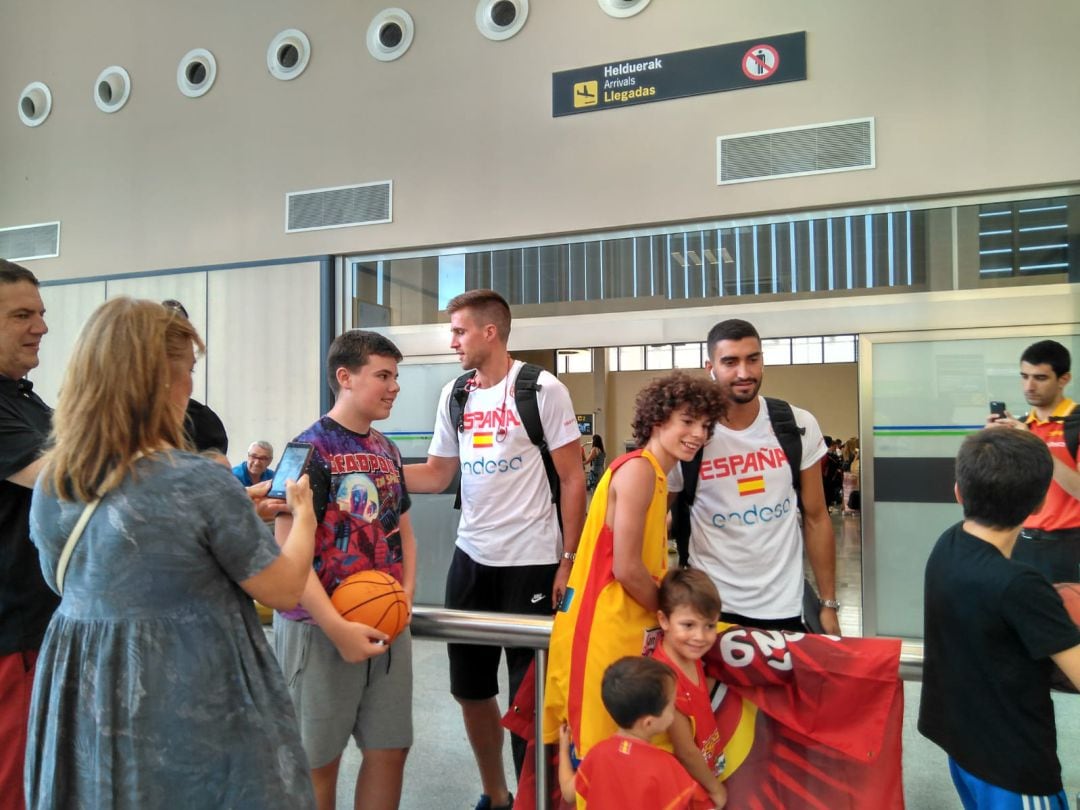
(1070, 595)
(373, 598)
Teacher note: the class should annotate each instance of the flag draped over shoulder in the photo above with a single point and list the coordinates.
(810, 721)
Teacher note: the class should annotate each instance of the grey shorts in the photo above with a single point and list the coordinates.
(371, 700)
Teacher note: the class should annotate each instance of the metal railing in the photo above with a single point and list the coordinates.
(516, 630)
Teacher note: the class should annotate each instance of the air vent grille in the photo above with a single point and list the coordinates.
(25, 242)
(840, 146)
(341, 207)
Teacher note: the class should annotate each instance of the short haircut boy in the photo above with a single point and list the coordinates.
(352, 349)
(1002, 476)
(731, 329)
(1049, 352)
(635, 687)
(657, 401)
(689, 587)
(487, 306)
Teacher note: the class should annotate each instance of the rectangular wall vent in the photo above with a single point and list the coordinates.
(841, 146)
(23, 242)
(340, 207)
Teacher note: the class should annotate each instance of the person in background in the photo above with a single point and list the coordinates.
(26, 602)
(156, 686)
(1050, 539)
(203, 427)
(595, 463)
(256, 469)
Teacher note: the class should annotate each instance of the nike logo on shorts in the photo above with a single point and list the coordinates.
(536, 597)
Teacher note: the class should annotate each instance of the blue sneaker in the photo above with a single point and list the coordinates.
(485, 803)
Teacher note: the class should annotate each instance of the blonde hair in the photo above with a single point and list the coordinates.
(114, 402)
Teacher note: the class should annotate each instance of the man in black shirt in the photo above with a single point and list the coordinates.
(26, 602)
(992, 627)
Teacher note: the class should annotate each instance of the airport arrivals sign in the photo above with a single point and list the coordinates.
(715, 69)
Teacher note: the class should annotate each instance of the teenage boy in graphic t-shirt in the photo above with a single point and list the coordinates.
(361, 504)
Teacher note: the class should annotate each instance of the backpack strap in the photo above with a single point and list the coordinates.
(455, 404)
(526, 387)
(680, 509)
(789, 434)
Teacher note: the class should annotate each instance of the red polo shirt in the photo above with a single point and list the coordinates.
(1062, 510)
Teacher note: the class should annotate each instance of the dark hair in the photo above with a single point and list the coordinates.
(10, 273)
(486, 306)
(175, 306)
(635, 687)
(689, 587)
(1050, 352)
(663, 396)
(731, 329)
(352, 349)
(1002, 475)
(598, 442)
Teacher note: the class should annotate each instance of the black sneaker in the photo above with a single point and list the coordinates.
(485, 803)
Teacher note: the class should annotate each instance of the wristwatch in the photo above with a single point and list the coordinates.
(829, 603)
(569, 555)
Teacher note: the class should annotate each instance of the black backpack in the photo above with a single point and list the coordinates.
(525, 388)
(788, 433)
(1071, 425)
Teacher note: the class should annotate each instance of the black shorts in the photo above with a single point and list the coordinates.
(474, 668)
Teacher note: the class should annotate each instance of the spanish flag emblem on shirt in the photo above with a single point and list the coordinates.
(754, 485)
(482, 439)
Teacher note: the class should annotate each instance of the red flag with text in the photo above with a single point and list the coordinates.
(810, 721)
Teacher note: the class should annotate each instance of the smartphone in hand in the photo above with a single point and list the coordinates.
(997, 408)
(294, 462)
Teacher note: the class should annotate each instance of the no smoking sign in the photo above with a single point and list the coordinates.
(760, 62)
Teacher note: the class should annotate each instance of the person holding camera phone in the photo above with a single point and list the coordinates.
(1050, 538)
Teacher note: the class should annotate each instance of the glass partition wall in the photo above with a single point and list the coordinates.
(985, 242)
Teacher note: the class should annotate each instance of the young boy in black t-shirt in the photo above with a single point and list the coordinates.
(992, 626)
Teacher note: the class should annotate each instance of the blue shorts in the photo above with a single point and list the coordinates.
(979, 795)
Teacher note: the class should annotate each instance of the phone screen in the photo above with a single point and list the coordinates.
(293, 463)
(997, 408)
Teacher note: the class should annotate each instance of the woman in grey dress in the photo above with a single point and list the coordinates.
(155, 686)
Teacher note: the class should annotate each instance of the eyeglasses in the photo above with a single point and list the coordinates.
(254, 457)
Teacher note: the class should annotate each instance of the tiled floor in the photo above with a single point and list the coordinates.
(441, 775)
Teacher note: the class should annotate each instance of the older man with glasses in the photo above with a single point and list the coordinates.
(257, 466)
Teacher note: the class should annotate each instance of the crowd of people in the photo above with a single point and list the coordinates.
(134, 671)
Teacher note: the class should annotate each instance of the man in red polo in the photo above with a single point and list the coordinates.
(1050, 539)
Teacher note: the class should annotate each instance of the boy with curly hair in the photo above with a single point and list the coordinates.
(622, 557)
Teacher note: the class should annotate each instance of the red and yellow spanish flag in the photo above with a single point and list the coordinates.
(754, 485)
(599, 621)
(482, 439)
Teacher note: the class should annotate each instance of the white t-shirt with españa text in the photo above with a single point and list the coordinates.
(507, 515)
(745, 530)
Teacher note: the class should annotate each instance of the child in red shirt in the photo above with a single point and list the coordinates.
(626, 770)
(689, 611)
